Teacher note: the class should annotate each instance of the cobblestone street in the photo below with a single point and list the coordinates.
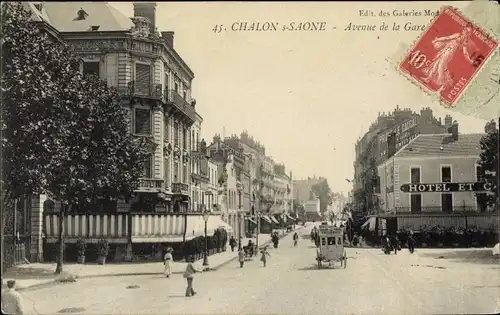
(427, 282)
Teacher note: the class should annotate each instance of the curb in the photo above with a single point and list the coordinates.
(61, 281)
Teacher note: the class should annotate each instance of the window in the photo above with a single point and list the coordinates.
(176, 172)
(331, 241)
(167, 172)
(142, 78)
(184, 173)
(194, 145)
(447, 203)
(148, 167)
(176, 86)
(185, 95)
(167, 81)
(176, 133)
(415, 175)
(416, 203)
(446, 174)
(480, 174)
(167, 129)
(184, 138)
(91, 68)
(142, 121)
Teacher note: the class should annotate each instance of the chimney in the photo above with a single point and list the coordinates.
(147, 10)
(448, 121)
(168, 37)
(453, 129)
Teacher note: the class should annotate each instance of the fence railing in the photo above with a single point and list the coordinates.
(172, 97)
(453, 211)
(144, 89)
(180, 188)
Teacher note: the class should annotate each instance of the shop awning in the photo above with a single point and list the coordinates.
(266, 218)
(274, 220)
(370, 223)
(196, 226)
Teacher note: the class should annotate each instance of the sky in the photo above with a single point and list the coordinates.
(307, 96)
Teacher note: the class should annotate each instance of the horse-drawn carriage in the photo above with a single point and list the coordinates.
(331, 246)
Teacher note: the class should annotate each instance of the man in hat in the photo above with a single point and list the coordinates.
(168, 259)
(12, 301)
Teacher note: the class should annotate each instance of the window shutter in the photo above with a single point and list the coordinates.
(142, 78)
(142, 121)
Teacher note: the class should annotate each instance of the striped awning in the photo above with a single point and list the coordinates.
(266, 218)
(252, 220)
(196, 226)
(370, 223)
(274, 219)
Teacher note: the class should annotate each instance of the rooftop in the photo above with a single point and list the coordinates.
(63, 16)
(442, 145)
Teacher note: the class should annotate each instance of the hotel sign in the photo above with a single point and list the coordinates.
(446, 187)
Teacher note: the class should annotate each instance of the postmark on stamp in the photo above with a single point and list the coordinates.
(448, 55)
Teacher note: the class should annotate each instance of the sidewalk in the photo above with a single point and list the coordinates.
(42, 274)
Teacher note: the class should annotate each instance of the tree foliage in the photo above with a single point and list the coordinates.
(63, 134)
(488, 161)
(324, 193)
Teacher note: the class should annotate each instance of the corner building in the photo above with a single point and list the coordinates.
(155, 84)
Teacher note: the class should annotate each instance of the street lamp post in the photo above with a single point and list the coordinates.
(239, 187)
(206, 216)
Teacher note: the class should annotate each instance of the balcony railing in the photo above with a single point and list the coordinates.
(137, 88)
(180, 188)
(151, 183)
(174, 98)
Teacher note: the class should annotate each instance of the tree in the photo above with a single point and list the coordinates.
(77, 128)
(488, 161)
(26, 88)
(324, 193)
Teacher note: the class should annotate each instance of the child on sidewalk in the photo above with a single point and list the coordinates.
(241, 257)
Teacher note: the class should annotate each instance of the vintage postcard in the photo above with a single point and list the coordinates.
(250, 157)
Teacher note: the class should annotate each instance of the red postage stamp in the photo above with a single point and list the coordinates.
(448, 55)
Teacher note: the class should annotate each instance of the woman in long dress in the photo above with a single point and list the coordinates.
(264, 254)
(168, 261)
(437, 71)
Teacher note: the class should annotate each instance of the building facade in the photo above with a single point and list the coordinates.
(212, 193)
(155, 84)
(435, 180)
(398, 127)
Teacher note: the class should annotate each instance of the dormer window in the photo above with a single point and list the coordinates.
(81, 15)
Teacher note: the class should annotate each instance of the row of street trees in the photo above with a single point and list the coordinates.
(63, 134)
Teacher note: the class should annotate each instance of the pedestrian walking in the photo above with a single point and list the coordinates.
(411, 243)
(189, 275)
(397, 244)
(232, 243)
(12, 301)
(168, 260)
(240, 243)
(264, 253)
(295, 239)
(241, 257)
